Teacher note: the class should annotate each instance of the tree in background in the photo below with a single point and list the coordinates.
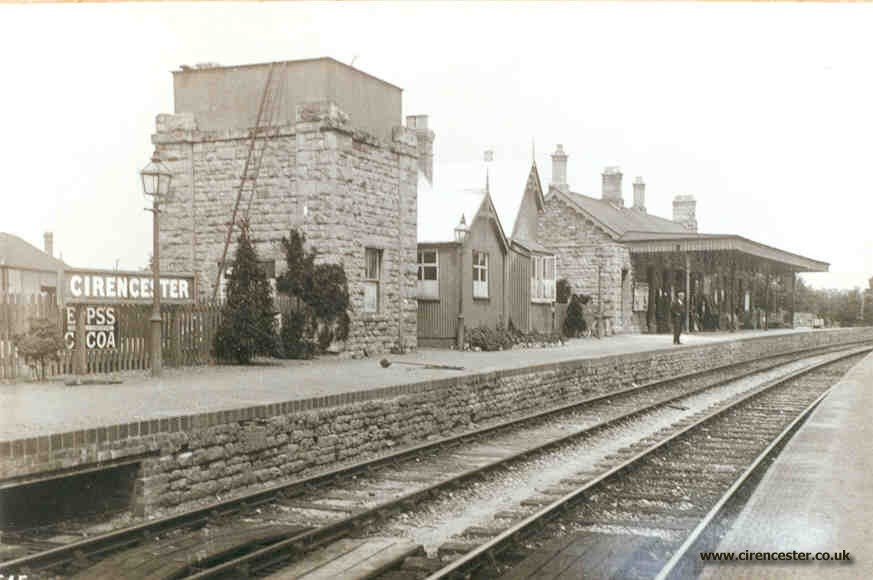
(835, 306)
(320, 301)
(248, 326)
(42, 343)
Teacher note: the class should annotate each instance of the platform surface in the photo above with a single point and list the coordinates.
(817, 496)
(30, 410)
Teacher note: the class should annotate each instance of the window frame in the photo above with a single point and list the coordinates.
(481, 288)
(427, 289)
(373, 282)
(542, 288)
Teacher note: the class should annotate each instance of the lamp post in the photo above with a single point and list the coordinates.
(461, 232)
(155, 186)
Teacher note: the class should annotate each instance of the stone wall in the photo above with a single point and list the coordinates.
(581, 246)
(345, 189)
(197, 457)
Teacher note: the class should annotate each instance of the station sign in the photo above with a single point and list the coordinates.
(101, 327)
(118, 287)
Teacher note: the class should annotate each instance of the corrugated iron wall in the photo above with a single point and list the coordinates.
(439, 318)
(541, 317)
(518, 290)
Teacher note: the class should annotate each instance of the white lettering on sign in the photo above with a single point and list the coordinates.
(100, 327)
(124, 286)
(76, 286)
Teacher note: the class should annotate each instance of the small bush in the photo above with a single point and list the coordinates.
(487, 338)
(42, 343)
(500, 338)
(321, 295)
(575, 324)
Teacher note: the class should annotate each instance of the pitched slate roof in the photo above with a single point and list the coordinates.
(16, 253)
(619, 220)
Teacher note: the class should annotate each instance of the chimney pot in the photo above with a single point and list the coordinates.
(559, 169)
(48, 240)
(640, 194)
(425, 136)
(611, 188)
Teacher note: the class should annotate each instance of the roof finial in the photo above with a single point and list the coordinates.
(487, 181)
(533, 150)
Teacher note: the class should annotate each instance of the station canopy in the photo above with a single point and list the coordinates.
(672, 242)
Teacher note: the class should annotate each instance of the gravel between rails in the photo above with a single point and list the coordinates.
(662, 496)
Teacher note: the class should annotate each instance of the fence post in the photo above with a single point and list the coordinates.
(80, 349)
(175, 336)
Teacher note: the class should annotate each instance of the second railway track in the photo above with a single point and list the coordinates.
(302, 516)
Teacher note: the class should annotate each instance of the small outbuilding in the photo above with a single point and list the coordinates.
(470, 272)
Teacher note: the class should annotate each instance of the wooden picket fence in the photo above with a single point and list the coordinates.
(188, 332)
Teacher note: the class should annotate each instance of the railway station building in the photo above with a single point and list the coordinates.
(632, 263)
(333, 159)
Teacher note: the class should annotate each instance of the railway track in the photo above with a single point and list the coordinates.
(322, 508)
(650, 515)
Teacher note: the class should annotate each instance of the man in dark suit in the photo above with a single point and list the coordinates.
(677, 311)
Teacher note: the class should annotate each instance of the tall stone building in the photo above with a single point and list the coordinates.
(339, 166)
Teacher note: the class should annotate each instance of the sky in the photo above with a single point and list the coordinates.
(763, 112)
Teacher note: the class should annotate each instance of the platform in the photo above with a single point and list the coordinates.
(817, 496)
(33, 410)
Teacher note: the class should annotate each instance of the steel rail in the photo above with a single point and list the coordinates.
(133, 535)
(313, 539)
(680, 559)
(485, 554)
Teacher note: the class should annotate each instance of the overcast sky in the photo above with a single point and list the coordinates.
(763, 112)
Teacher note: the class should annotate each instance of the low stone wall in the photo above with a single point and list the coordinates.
(184, 459)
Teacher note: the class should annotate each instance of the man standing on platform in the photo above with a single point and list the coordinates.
(677, 310)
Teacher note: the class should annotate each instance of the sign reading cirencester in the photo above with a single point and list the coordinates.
(114, 287)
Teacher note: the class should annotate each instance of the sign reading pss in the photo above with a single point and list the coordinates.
(125, 287)
(101, 328)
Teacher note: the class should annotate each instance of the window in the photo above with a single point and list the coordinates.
(480, 274)
(372, 276)
(428, 275)
(542, 278)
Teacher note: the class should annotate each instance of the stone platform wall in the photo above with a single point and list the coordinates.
(201, 456)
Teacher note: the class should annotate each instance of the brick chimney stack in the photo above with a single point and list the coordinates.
(425, 136)
(611, 190)
(559, 169)
(685, 211)
(640, 194)
(48, 243)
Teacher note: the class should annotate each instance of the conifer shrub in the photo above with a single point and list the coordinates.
(248, 324)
